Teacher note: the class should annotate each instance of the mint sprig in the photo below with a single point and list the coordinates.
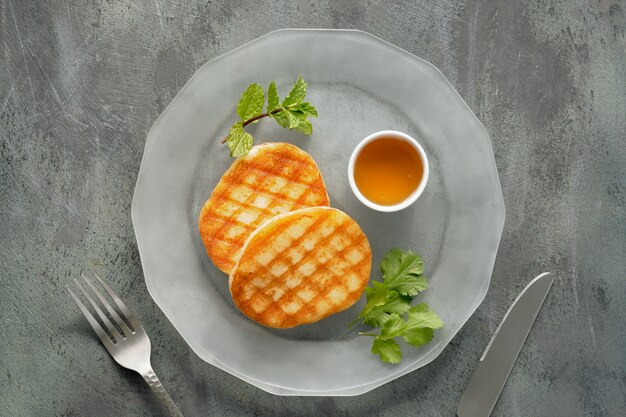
(389, 308)
(292, 113)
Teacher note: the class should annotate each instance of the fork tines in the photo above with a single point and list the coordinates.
(113, 334)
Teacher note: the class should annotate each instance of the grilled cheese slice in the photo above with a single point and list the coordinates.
(273, 178)
(301, 267)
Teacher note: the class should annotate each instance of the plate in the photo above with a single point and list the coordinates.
(359, 84)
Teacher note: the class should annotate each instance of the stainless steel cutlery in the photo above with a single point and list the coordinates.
(121, 334)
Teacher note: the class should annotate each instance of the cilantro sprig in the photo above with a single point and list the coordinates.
(389, 307)
(292, 113)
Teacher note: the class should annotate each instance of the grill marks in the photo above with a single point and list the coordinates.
(301, 267)
(272, 179)
(291, 260)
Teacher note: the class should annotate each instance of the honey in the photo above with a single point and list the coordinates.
(388, 170)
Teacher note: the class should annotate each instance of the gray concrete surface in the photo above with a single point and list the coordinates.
(82, 81)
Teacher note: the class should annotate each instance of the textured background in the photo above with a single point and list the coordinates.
(82, 81)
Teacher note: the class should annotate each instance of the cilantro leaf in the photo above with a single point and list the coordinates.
(393, 303)
(421, 321)
(417, 330)
(420, 316)
(402, 271)
(375, 295)
(387, 350)
(388, 306)
(296, 95)
(251, 102)
(418, 337)
(376, 318)
(239, 141)
(272, 97)
(393, 327)
(396, 303)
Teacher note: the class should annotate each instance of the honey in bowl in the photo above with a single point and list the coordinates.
(388, 170)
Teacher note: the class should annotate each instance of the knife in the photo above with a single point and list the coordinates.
(495, 365)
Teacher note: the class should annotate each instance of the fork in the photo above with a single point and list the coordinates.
(128, 343)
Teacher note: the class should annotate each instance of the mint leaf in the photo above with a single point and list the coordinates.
(272, 97)
(286, 119)
(304, 127)
(307, 109)
(251, 102)
(402, 271)
(291, 114)
(239, 141)
(387, 350)
(294, 120)
(296, 95)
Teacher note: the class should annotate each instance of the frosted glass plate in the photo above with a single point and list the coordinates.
(360, 84)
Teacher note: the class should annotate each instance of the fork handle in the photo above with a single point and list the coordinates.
(157, 387)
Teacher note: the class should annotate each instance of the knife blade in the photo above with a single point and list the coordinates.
(494, 367)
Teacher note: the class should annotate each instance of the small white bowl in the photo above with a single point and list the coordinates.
(414, 195)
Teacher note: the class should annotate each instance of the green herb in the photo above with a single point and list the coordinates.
(292, 114)
(389, 308)
(402, 272)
